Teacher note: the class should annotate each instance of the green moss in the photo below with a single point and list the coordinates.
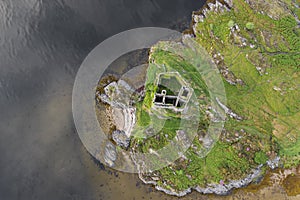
(230, 23)
(257, 101)
(222, 160)
(260, 157)
(287, 26)
(270, 116)
(250, 25)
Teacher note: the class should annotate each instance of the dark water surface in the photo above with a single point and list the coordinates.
(42, 44)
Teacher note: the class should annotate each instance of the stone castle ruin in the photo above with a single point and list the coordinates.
(172, 92)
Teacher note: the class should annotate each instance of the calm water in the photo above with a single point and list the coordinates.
(42, 44)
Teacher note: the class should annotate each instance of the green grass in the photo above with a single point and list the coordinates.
(260, 157)
(221, 160)
(257, 100)
(143, 117)
(271, 116)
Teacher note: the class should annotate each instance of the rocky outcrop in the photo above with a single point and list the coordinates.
(220, 189)
(228, 111)
(273, 163)
(198, 17)
(121, 138)
(210, 7)
(119, 95)
(110, 154)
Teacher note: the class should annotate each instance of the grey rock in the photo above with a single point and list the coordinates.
(121, 139)
(273, 163)
(110, 154)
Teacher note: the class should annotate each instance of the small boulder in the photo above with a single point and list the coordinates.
(121, 139)
(110, 154)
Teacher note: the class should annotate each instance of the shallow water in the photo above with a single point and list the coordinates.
(42, 44)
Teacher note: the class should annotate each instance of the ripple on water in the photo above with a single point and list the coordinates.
(5, 14)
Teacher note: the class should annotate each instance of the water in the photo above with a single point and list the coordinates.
(42, 44)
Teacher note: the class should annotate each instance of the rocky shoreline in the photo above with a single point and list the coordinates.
(128, 118)
(257, 173)
(126, 121)
(219, 189)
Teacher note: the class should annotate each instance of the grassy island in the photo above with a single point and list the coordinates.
(257, 51)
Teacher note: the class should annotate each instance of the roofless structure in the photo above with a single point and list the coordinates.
(172, 91)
